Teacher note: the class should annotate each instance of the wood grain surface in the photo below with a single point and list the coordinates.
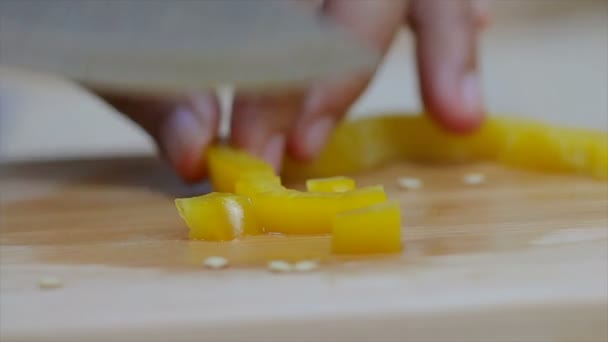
(522, 257)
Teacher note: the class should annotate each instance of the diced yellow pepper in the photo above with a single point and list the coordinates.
(369, 230)
(331, 184)
(218, 216)
(254, 183)
(295, 212)
(227, 165)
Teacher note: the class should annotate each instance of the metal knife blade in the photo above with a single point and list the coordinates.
(171, 46)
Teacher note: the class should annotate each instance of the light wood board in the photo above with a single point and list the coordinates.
(522, 257)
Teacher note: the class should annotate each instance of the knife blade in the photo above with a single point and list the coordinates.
(179, 45)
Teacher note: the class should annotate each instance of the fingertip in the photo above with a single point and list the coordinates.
(447, 62)
(181, 126)
(184, 138)
(326, 104)
(471, 106)
(273, 151)
(269, 146)
(307, 142)
(192, 166)
(458, 123)
(458, 108)
(260, 124)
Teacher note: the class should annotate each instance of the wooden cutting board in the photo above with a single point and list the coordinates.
(523, 257)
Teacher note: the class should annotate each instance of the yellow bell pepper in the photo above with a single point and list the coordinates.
(544, 148)
(331, 184)
(295, 212)
(598, 156)
(362, 144)
(227, 165)
(262, 202)
(369, 230)
(253, 183)
(218, 216)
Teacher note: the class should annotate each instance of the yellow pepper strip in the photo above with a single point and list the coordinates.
(598, 157)
(369, 230)
(254, 183)
(218, 216)
(331, 184)
(362, 144)
(366, 143)
(555, 149)
(296, 212)
(227, 165)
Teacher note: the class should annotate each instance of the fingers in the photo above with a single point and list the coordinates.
(373, 21)
(261, 122)
(182, 127)
(446, 44)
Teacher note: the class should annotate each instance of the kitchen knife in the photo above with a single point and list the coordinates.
(178, 45)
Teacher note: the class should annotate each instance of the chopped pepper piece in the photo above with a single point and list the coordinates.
(218, 216)
(227, 165)
(331, 184)
(369, 230)
(254, 183)
(296, 212)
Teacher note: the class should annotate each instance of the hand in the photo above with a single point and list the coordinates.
(299, 121)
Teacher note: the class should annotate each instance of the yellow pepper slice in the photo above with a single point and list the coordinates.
(218, 216)
(330, 184)
(362, 144)
(539, 147)
(254, 183)
(227, 165)
(295, 212)
(262, 202)
(598, 156)
(369, 230)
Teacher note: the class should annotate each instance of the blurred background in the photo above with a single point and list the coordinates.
(546, 59)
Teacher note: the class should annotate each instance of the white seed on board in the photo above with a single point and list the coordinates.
(409, 183)
(50, 282)
(215, 262)
(279, 266)
(474, 178)
(306, 266)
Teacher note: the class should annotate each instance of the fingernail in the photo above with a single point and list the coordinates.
(316, 135)
(471, 95)
(273, 151)
(183, 138)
